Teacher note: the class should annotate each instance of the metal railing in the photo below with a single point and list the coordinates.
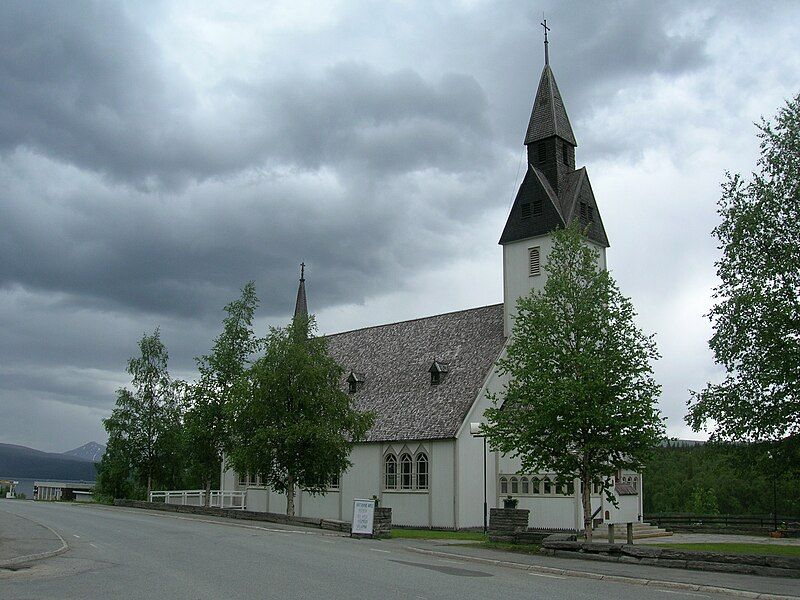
(219, 499)
(693, 519)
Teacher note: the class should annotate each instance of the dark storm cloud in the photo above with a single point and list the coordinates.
(139, 188)
(83, 84)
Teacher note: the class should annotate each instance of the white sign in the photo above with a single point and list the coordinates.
(363, 513)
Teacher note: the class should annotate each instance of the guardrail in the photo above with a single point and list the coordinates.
(219, 499)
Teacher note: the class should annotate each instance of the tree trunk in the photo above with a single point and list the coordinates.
(586, 496)
(290, 496)
(149, 485)
(207, 497)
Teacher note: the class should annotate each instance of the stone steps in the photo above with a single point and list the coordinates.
(640, 531)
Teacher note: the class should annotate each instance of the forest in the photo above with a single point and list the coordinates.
(741, 479)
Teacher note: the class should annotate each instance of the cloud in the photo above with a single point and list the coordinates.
(154, 158)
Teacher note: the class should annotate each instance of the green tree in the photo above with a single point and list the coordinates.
(144, 423)
(290, 422)
(756, 317)
(581, 397)
(704, 501)
(205, 425)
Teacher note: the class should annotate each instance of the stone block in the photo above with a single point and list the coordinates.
(561, 537)
(641, 551)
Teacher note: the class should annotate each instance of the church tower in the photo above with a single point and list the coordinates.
(551, 196)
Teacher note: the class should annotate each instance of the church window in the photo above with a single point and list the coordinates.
(534, 265)
(503, 485)
(242, 479)
(570, 489)
(537, 206)
(535, 485)
(542, 151)
(406, 479)
(525, 486)
(587, 213)
(526, 210)
(390, 468)
(514, 485)
(334, 483)
(548, 486)
(422, 471)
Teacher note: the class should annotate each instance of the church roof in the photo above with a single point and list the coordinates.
(537, 210)
(549, 116)
(395, 362)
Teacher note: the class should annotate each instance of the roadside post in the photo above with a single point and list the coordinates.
(363, 518)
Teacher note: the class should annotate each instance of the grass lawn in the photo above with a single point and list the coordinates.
(428, 534)
(518, 548)
(774, 549)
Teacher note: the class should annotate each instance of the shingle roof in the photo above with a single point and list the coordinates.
(395, 360)
(520, 225)
(549, 116)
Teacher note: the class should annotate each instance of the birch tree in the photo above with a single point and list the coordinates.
(290, 422)
(145, 420)
(581, 401)
(219, 371)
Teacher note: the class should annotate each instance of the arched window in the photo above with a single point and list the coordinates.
(334, 483)
(571, 488)
(390, 470)
(525, 486)
(514, 485)
(503, 485)
(548, 486)
(422, 471)
(535, 485)
(406, 477)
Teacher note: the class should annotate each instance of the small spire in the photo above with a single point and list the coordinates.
(546, 43)
(301, 306)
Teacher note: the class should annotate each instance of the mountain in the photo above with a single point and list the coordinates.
(22, 462)
(91, 451)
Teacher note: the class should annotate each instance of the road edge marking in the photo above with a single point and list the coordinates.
(40, 555)
(654, 583)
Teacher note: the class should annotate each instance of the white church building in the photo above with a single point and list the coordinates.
(427, 380)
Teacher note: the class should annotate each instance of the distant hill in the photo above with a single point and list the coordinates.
(22, 462)
(92, 451)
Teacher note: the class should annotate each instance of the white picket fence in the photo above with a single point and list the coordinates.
(219, 499)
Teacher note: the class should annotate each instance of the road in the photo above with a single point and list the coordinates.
(129, 553)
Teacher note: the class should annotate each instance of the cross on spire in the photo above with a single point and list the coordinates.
(546, 51)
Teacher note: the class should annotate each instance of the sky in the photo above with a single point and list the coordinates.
(155, 156)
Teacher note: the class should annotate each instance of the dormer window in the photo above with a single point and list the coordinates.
(355, 381)
(438, 372)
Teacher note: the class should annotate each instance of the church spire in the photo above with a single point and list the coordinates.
(300, 306)
(548, 117)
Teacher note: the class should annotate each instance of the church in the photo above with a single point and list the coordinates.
(428, 380)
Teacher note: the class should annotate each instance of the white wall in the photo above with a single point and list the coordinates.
(433, 507)
(517, 281)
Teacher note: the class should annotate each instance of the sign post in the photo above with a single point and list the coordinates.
(363, 517)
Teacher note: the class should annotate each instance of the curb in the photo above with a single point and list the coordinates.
(655, 583)
(40, 555)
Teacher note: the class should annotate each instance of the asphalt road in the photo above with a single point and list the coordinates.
(129, 553)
